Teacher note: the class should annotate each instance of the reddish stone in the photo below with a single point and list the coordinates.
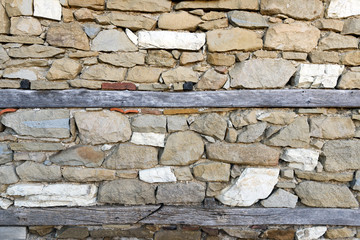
(124, 111)
(119, 86)
(7, 111)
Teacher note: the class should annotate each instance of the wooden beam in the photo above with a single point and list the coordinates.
(186, 215)
(12, 98)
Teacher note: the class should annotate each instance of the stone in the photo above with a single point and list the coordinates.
(233, 39)
(180, 74)
(243, 154)
(335, 41)
(36, 147)
(79, 155)
(27, 63)
(13, 232)
(315, 194)
(280, 234)
(211, 124)
(213, 16)
(332, 127)
(112, 41)
(84, 14)
(127, 191)
(68, 15)
(295, 56)
(4, 21)
(82, 54)
(41, 230)
(303, 159)
(19, 7)
(88, 174)
(351, 58)
(42, 123)
(8, 175)
(341, 155)
(125, 231)
(355, 184)
(6, 155)
(133, 22)
(178, 21)
(38, 172)
(157, 175)
(219, 4)
(102, 127)
(209, 171)
(64, 68)
(211, 80)
(91, 29)
(289, 37)
(176, 123)
(3, 55)
(242, 233)
(251, 133)
(104, 72)
(180, 193)
(183, 173)
(252, 185)
(79, 83)
(258, 73)
(73, 232)
(343, 8)
(277, 117)
(343, 232)
(280, 199)
(30, 156)
(25, 26)
(5, 203)
(31, 73)
(160, 58)
(150, 139)
(351, 26)
(329, 24)
(310, 233)
(324, 57)
(123, 59)
(191, 57)
(130, 174)
(177, 235)
(50, 9)
(287, 173)
(140, 5)
(325, 176)
(215, 24)
(182, 148)
(51, 195)
(300, 9)
(170, 40)
(265, 54)
(46, 85)
(294, 135)
(93, 4)
(144, 74)
(149, 123)
(247, 19)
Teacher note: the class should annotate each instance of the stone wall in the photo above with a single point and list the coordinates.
(259, 157)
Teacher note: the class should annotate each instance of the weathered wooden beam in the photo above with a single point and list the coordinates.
(235, 98)
(187, 215)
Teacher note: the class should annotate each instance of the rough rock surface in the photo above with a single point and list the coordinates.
(178, 21)
(64, 69)
(209, 171)
(159, 174)
(112, 41)
(343, 8)
(219, 4)
(300, 158)
(211, 124)
(332, 127)
(79, 155)
(140, 5)
(177, 193)
(247, 19)
(310, 233)
(37, 172)
(280, 199)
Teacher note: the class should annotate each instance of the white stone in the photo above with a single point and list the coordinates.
(252, 185)
(50, 9)
(30, 73)
(5, 203)
(155, 175)
(310, 233)
(171, 40)
(300, 158)
(151, 139)
(41, 195)
(343, 8)
(132, 36)
(280, 199)
(318, 75)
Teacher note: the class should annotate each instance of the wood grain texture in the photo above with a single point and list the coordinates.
(187, 215)
(12, 98)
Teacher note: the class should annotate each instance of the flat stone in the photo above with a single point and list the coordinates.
(102, 127)
(290, 37)
(140, 5)
(242, 233)
(149, 123)
(233, 39)
(25, 26)
(4, 21)
(242, 118)
(3, 55)
(160, 58)
(182, 148)
(247, 19)
(50, 9)
(178, 21)
(144, 74)
(294, 135)
(324, 57)
(84, 14)
(129, 174)
(31, 73)
(332, 127)
(8, 175)
(176, 123)
(123, 59)
(42, 123)
(112, 41)
(36, 147)
(344, 232)
(13, 232)
(72, 232)
(133, 22)
(27, 63)
(38, 172)
(277, 117)
(82, 54)
(343, 8)
(87, 174)
(251, 133)
(315, 194)
(127, 191)
(300, 9)
(341, 155)
(325, 176)
(215, 24)
(220, 59)
(335, 41)
(170, 40)
(310, 233)
(19, 7)
(93, 4)
(91, 84)
(150, 139)
(181, 193)
(104, 72)
(51, 195)
(125, 231)
(156, 175)
(211, 124)
(183, 173)
(355, 184)
(252, 185)
(351, 58)
(6, 155)
(191, 57)
(280, 199)
(130, 156)
(79, 155)
(211, 80)
(245, 154)
(300, 158)
(209, 171)
(219, 4)
(21, 39)
(258, 73)
(280, 234)
(67, 35)
(329, 24)
(351, 26)
(212, 15)
(180, 74)
(46, 85)
(30, 156)
(177, 235)
(5, 203)
(64, 68)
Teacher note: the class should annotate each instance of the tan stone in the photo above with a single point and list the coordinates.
(178, 21)
(341, 155)
(19, 7)
(349, 80)
(325, 176)
(41, 230)
(351, 58)
(27, 63)
(290, 37)
(38, 172)
(64, 68)
(213, 15)
(36, 147)
(104, 72)
(219, 4)
(160, 58)
(279, 234)
(329, 24)
(68, 15)
(209, 171)
(247, 19)
(242, 233)
(140, 5)
(210, 124)
(220, 59)
(242, 118)
(123, 59)
(21, 39)
(295, 56)
(80, 83)
(180, 74)
(351, 26)
(133, 22)
(30, 73)
(83, 54)
(8, 175)
(87, 174)
(4, 21)
(183, 173)
(215, 24)
(46, 85)
(335, 41)
(265, 54)
(332, 127)
(129, 174)
(181, 193)
(242, 56)
(191, 57)
(25, 26)
(79, 155)
(84, 14)
(336, 233)
(144, 74)
(177, 235)
(233, 39)
(214, 188)
(211, 80)
(324, 57)
(9, 83)
(94, 4)
(277, 117)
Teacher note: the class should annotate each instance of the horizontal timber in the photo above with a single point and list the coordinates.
(235, 98)
(186, 215)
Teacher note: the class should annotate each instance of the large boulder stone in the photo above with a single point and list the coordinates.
(181, 193)
(104, 72)
(332, 127)
(219, 4)
(35, 51)
(64, 68)
(259, 73)
(25, 26)
(6, 155)
(102, 127)
(38, 172)
(178, 21)
(343, 8)
(315, 194)
(209, 171)
(112, 41)
(140, 5)
(211, 124)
